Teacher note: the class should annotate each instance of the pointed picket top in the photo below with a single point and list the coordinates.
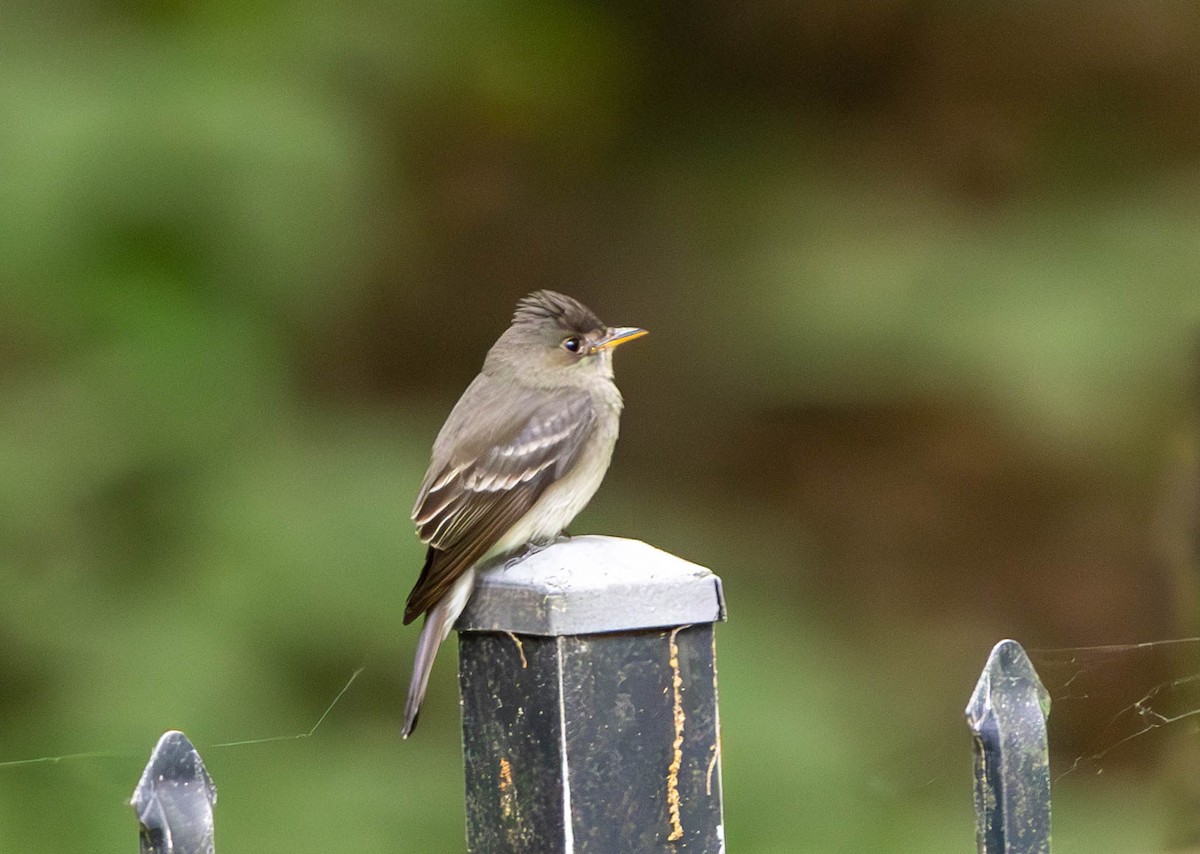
(1007, 716)
(1008, 672)
(174, 799)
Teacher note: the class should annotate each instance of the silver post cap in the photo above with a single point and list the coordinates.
(590, 585)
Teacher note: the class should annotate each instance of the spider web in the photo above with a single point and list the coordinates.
(1108, 701)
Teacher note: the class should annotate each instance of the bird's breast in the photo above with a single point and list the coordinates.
(562, 500)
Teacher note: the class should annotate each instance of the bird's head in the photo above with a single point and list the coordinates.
(557, 340)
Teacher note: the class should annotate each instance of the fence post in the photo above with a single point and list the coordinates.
(1007, 715)
(174, 800)
(588, 682)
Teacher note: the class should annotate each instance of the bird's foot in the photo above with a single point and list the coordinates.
(533, 547)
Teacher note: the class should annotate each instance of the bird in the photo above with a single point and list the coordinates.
(520, 455)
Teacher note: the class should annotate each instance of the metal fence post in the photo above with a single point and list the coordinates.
(588, 682)
(174, 800)
(1007, 715)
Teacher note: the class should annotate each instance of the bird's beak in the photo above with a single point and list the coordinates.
(618, 335)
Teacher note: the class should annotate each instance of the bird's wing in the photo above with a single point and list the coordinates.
(476, 493)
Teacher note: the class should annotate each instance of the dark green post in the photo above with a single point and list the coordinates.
(588, 680)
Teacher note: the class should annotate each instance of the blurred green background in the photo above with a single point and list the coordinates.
(923, 286)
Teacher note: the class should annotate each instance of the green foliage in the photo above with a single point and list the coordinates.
(250, 252)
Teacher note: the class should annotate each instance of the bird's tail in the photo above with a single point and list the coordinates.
(438, 623)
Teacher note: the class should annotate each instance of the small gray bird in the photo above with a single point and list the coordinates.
(522, 452)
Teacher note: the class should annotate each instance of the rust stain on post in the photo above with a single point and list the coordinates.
(520, 649)
(673, 803)
(507, 793)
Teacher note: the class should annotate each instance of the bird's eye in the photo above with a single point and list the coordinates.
(572, 344)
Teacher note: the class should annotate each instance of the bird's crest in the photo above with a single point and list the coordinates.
(570, 313)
